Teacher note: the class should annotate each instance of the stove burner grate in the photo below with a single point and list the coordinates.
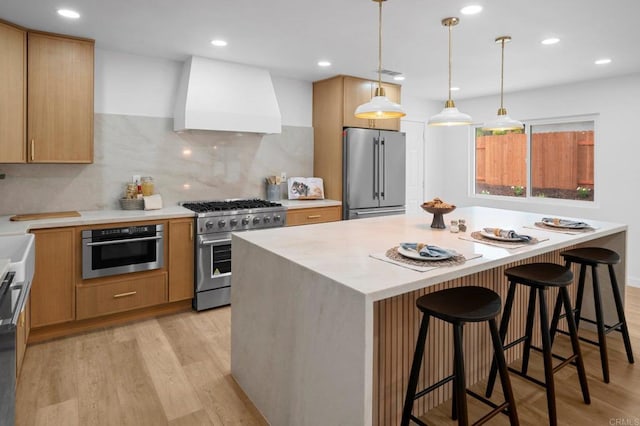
(213, 206)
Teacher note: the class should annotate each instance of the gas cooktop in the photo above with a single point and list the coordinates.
(226, 205)
(221, 216)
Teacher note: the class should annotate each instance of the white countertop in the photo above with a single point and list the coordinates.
(92, 217)
(340, 250)
(307, 204)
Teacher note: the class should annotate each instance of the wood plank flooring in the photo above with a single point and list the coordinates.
(174, 370)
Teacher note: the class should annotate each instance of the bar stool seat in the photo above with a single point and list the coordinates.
(458, 306)
(539, 277)
(594, 256)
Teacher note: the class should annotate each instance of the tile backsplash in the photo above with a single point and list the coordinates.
(194, 165)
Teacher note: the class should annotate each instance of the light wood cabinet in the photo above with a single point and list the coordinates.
(60, 99)
(308, 216)
(121, 295)
(334, 102)
(53, 289)
(13, 93)
(181, 261)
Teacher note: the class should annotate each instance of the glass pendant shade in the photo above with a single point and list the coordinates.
(450, 116)
(503, 122)
(379, 107)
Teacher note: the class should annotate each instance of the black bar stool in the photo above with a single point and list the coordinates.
(593, 256)
(539, 277)
(458, 306)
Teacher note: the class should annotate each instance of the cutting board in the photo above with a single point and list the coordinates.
(49, 215)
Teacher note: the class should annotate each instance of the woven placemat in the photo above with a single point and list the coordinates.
(543, 225)
(477, 235)
(393, 254)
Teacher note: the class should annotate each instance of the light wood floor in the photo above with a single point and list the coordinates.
(175, 371)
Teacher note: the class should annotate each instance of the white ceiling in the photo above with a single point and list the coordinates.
(288, 37)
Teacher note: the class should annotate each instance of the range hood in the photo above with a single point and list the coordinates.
(216, 95)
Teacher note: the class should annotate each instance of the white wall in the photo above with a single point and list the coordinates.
(617, 103)
(145, 86)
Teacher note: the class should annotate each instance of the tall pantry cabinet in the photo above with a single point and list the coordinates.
(46, 101)
(334, 103)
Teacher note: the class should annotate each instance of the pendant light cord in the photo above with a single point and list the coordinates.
(502, 77)
(450, 61)
(380, 43)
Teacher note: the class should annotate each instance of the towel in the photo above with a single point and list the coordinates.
(565, 223)
(153, 202)
(507, 233)
(427, 250)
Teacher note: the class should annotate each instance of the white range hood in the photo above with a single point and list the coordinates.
(216, 95)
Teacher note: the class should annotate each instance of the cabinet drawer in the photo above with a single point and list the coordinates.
(314, 215)
(124, 295)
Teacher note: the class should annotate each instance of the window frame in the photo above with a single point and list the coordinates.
(528, 198)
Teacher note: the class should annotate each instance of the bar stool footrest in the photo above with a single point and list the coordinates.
(515, 342)
(526, 376)
(433, 387)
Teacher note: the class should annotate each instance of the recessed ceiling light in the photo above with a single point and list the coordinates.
(68, 13)
(552, 40)
(472, 9)
(455, 89)
(603, 61)
(399, 78)
(219, 43)
(324, 63)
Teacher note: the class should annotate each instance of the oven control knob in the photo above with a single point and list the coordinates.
(233, 222)
(245, 220)
(209, 224)
(266, 219)
(276, 218)
(221, 223)
(256, 220)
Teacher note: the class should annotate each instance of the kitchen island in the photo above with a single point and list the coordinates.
(322, 333)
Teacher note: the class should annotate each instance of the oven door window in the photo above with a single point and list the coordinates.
(114, 255)
(220, 259)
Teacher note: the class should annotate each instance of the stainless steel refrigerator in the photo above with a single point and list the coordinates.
(374, 163)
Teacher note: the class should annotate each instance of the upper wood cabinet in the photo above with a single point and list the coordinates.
(334, 102)
(13, 93)
(60, 99)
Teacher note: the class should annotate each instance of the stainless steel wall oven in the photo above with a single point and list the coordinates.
(115, 251)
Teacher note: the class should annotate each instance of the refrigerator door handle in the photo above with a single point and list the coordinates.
(383, 167)
(376, 168)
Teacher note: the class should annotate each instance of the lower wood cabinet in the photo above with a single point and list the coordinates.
(53, 288)
(307, 216)
(181, 259)
(121, 295)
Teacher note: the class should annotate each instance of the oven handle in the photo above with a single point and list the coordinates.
(215, 242)
(130, 240)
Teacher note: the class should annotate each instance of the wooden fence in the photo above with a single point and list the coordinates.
(562, 160)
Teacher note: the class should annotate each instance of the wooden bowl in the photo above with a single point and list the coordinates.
(437, 212)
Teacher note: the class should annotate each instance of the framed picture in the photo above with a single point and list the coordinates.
(305, 188)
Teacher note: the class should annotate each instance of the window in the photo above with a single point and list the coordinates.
(560, 154)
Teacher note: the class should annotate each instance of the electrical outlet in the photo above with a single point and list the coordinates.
(2, 176)
(283, 176)
(136, 178)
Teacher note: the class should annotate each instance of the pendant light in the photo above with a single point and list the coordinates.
(450, 116)
(502, 120)
(379, 107)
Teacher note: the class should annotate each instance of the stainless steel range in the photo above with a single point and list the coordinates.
(215, 222)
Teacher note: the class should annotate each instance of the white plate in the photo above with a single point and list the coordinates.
(499, 238)
(411, 254)
(560, 225)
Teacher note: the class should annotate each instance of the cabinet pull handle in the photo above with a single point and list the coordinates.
(314, 216)
(191, 231)
(33, 149)
(117, 296)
